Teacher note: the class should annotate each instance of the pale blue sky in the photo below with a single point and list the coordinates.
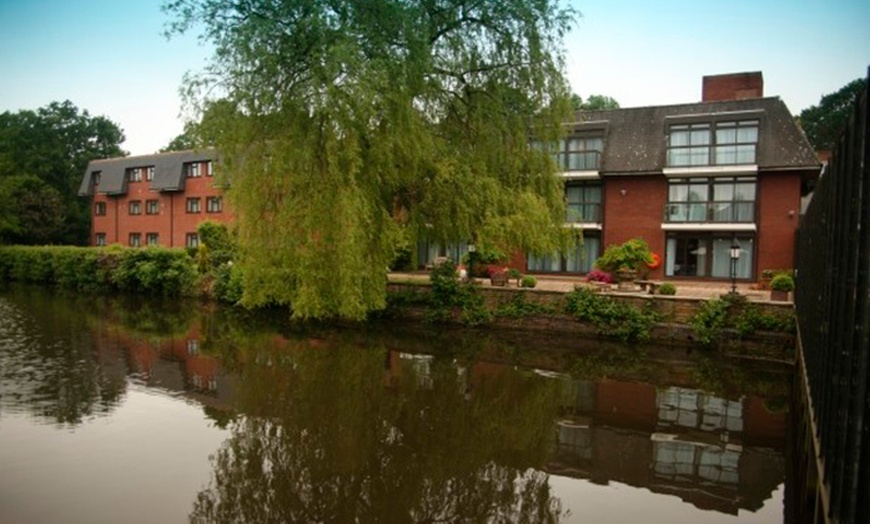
(109, 57)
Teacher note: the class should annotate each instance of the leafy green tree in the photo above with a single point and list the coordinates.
(594, 103)
(55, 144)
(31, 211)
(823, 123)
(347, 127)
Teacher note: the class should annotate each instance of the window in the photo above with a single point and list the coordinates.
(578, 260)
(135, 239)
(583, 202)
(193, 205)
(134, 174)
(209, 168)
(705, 144)
(99, 208)
(96, 175)
(708, 255)
(579, 153)
(100, 239)
(135, 207)
(192, 170)
(718, 200)
(152, 239)
(191, 240)
(213, 204)
(582, 154)
(149, 173)
(152, 207)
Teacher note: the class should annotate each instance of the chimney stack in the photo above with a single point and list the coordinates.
(733, 86)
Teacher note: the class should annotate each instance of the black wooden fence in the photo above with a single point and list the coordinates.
(833, 307)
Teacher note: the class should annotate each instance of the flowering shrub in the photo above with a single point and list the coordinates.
(596, 275)
(493, 270)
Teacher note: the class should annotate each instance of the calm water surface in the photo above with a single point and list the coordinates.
(118, 410)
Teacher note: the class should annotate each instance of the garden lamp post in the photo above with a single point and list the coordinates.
(735, 254)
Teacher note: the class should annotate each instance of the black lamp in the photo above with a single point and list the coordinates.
(735, 254)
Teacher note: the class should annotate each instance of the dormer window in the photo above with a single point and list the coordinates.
(582, 153)
(149, 173)
(708, 144)
(192, 170)
(134, 174)
(576, 153)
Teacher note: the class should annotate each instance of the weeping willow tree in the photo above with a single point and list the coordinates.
(346, 128)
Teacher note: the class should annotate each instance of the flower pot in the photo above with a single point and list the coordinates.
(779, 296)
(625, 279)
(499, 279)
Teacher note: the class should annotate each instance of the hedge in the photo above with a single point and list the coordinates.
(151, 270)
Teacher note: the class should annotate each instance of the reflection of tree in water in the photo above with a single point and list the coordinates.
(326, 440)
(49, 361)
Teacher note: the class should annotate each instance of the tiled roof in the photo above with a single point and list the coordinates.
(636, 138)
(168, 171)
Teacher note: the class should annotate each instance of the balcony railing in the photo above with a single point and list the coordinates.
(713, 212)
(586, 213)
(578, 160)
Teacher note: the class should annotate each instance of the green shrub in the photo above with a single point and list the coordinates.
(228, 283)
(529, 281)
(448, 293)
(612, 318)
(632, 254)
(519, 307)
(667, 289)
(710, 320)
(156, 270)
(782, 282)
(218, 242)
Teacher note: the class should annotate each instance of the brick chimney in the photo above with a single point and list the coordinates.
(733, 86)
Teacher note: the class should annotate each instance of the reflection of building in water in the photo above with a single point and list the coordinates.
(174, 364)
(715, 453)
(702, 448)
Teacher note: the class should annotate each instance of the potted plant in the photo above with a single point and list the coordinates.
(780, 286)
(625, 260)
(498, 276)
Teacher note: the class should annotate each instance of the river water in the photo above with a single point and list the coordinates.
(124, 410)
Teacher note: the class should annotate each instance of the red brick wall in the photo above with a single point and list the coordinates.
(633, 208)
(779, 196)
(172, 223)
(735, 86)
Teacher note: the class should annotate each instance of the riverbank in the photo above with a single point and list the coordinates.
(749, 327)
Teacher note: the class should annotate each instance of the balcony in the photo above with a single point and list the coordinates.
(736, 212)
(578, 160)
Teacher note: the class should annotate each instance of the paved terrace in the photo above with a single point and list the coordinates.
(563, 283)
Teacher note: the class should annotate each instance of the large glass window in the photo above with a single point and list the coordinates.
(708, 255)
(721, 199)
(728, 143)
(578, 260)
(580, 153)
(583, 202)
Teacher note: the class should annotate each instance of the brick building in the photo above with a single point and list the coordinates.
(153, 199)
(689, 179)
